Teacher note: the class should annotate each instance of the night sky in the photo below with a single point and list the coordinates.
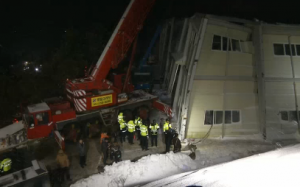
(38, 26)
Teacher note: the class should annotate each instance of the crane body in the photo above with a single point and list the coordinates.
(96, 98)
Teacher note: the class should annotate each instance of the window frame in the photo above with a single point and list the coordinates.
(284, 51)
(288, 115)
(240, 116)
(241, 51)
(229, 46)
(221, 44)
(214, 117)
(205, 117)
(46, 122)
(231, 111)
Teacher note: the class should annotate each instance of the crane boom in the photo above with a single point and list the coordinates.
(82, 91)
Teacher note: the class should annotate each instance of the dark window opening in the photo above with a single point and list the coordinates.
(216, 43)
(284, 115)
(235, 45)
(42, 118)
(298, 50)
(278, 49)
(227, 117)
(218, 117)
(225, 43)
(292, 116)
(235, 116)
(288, 50)
(209, 114)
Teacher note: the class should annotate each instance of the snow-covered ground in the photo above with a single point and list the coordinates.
(271, 169)
(155, 166)
(147, 169)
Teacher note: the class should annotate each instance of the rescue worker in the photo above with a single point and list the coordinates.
(120, 117)
(123, 127)
(5, 165)
(168, 135)
(63, 163)
(82, 153)
(144, 137)
(131, 131)
(176, 143)
(138, 123)
(154, 127)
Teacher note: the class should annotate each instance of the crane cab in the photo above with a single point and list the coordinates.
(38, 121)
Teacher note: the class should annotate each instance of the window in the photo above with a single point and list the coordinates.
(292, 116)
(223, 44)
(288, 115)
(278, 49)
(227, 117)
(29, 120)
(235, 116)
(216, 117)
(42, 118)
(284, 49)
(298, 50)
(208, 117)
(288, 51)
(235, 45)
(284, 115)
(216, 43)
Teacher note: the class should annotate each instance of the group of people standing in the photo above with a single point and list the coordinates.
(138, 128)
(141, 129)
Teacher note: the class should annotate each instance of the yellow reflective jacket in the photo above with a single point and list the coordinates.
(122, 125)
(131, 126)
(5, 165)
(121, 118)
(144, 130)
(137, 121)
(167, 126)
(154, 128)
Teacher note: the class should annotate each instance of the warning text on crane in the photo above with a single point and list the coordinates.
(101, 100)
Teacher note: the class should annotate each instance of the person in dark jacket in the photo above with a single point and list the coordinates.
(104, 149)
(82, 153)
(177, 143)
(115, 152)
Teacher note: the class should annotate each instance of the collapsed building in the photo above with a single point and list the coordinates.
(231, 77)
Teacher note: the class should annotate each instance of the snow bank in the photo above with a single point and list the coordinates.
(147, 169)
(272, 169)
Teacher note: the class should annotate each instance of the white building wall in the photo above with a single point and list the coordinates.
(227, 81)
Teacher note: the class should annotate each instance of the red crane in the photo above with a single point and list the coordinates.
(95, 96)
(96, 91)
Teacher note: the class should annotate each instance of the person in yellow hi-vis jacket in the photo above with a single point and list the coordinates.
(5, 165)
(123, 127)
(154, 127)
(144, 137)
(131, 131)
(168, 135)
